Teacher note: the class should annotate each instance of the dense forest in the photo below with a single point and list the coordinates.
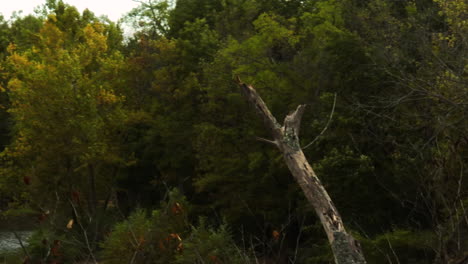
(140, 148)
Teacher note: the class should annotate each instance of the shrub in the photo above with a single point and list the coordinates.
(165, 237)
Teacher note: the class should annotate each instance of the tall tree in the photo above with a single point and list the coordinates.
(67, 116)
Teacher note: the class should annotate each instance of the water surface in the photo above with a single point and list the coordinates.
(9, 242)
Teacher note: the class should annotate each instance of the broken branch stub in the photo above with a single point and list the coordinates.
(257, 102)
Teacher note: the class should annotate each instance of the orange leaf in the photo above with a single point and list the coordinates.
(176, 209)
(70, 224)
(55, 251)
(275, 235)
(41, 217)
(161, 245)
(75, 196)
(27, 180)
(175, 236)
(215, 259)
(180, 247)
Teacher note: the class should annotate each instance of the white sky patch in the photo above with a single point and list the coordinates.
(113, 9)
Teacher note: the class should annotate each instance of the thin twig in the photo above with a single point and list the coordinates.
(326, 126)
(393, 251)
(273, 142)
(21, 244)
(84, 232)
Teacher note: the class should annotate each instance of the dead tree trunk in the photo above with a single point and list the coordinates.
(286, 137)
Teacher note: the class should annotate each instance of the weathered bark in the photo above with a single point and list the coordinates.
(346, 249)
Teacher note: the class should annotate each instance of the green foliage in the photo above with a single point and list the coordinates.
(126, 238)
(151, 17)
(190, 11)
(53, 245)
(166, 237)
(63, 102)
(15, 256)
(93, 125)
(404, 246)
(23, 32)
(206, 244)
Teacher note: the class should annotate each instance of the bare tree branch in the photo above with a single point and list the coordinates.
(326, 126)
(257, 102)
(272, 142)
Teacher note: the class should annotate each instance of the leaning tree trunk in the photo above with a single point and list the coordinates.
(346, 249)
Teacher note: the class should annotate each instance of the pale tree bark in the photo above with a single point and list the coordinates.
(346, 249)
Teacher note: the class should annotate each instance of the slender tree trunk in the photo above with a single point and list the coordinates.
(92, 190)
(346, 249)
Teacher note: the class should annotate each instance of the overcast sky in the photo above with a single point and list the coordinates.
(114, 9)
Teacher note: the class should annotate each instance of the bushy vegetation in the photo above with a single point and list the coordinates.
(141, 149)
(167, 237)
